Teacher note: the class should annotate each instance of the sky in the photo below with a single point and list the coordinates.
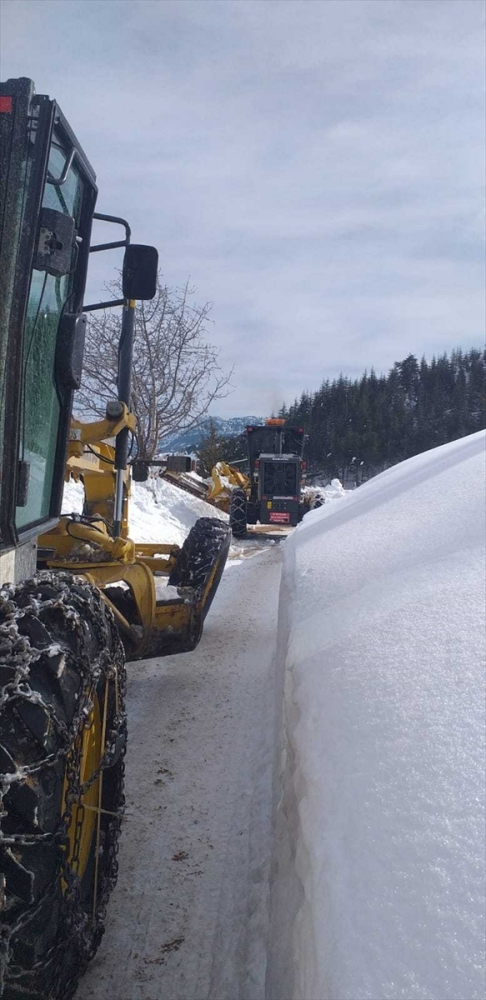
(315, 168)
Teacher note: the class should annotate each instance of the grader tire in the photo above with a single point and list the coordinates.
(252, 511)
(201, 560)
(237, 517)
(62, 686)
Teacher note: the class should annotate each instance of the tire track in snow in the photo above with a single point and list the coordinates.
(188, 918)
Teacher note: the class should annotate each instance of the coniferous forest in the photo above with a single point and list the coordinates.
(357, 428)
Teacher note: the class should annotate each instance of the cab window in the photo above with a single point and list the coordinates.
(48, 297)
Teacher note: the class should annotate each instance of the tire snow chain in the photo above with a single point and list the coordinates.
(20, 653)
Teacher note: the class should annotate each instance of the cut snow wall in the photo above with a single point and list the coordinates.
(378, 870)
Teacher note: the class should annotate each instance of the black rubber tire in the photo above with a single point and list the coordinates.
(59, 650)
(202, 556)
(252, 511)
(237, 515)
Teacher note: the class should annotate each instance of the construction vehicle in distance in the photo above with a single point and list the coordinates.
(273, 492)
(270, 495)
(75, 591)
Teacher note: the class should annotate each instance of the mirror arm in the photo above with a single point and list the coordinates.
(104, 305)
(108, 246)
(116, 219)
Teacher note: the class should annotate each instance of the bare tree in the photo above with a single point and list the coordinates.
(175, 377)
(210, 449)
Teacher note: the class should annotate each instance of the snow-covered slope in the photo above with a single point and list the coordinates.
(158, 510)
(378, 887)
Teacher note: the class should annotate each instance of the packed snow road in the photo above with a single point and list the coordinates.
(188, 918)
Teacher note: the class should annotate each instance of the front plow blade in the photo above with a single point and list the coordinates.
(174, 622)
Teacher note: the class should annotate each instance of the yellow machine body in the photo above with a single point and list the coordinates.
(128, 573)
(224, 479)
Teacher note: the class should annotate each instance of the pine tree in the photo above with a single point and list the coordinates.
(210, 448)
(375, 422)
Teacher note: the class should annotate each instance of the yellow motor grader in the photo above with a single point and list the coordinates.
(272, 497)
(76, 593)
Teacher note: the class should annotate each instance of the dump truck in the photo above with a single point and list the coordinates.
(77, 594)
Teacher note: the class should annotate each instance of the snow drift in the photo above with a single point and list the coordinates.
(158, 511)
(378, 874)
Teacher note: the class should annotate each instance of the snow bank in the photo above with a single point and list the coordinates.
(158, 510)
(161, 510)
(378, 876)
(333, 491)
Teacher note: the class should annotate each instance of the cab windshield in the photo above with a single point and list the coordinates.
(48, 297)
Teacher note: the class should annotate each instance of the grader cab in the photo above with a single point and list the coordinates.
(267, 499)
(74, 589)
(271, 493)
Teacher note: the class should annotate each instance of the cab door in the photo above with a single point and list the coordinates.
(46, 404)
(47, 200)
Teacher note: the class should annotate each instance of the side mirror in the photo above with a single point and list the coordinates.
(139, 277)
(140, 471)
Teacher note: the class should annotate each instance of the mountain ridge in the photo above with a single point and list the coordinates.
(185, 442)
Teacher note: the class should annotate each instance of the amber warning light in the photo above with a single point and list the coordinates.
(6, 105)
(275, 422)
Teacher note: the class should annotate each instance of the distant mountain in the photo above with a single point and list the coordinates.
(185, 442)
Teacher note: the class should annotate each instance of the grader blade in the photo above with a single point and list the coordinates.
(160, 594)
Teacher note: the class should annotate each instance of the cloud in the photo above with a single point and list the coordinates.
(317, 168)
